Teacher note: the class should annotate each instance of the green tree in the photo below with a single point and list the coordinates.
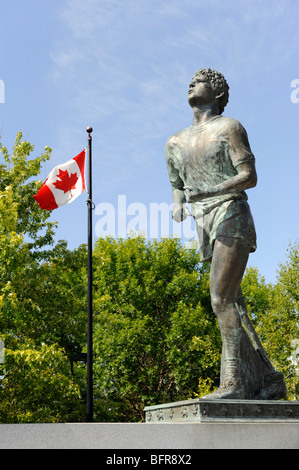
(47, 325)
(19, 216)
(282, 322)
(52, 300)
(19, 213)
(155, 333)
(274, 310)
(38, 386)
(155, 337)
(42, 298)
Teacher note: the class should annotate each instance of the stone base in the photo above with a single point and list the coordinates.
(199, 410)
(115, 438)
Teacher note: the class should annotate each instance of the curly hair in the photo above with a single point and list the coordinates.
(218, 84)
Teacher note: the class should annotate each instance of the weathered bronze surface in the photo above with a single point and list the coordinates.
(199, 410)
(210, 165)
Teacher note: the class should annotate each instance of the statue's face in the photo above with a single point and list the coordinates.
(200, 91)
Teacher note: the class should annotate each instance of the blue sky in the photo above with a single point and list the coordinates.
(123, 67)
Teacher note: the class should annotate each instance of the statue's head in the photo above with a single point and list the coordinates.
(218, 85)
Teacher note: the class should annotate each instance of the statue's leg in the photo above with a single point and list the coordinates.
(246, 322)
(227, 268)
(246, 371)
(263, 382)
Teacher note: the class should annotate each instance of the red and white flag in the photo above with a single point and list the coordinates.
(64, 184)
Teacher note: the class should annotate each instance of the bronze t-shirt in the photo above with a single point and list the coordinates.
(200, 157)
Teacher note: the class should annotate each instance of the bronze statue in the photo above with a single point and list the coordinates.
(210, 166)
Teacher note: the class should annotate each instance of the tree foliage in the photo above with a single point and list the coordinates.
(18, 211)
(41, 298)
(155, 337)
(38, 386)
(155, 333)
(274, 310)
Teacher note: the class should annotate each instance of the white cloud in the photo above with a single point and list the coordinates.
(125, 66)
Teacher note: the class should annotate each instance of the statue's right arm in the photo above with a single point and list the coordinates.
(180, 211)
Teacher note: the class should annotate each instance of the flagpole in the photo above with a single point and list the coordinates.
(89, 289)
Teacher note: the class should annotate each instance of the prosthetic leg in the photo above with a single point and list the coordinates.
(246, 371)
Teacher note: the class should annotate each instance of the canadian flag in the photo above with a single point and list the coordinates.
(64, 184)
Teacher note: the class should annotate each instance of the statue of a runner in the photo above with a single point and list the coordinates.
(210, 165)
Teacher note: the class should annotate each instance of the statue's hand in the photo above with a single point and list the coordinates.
(180, 212)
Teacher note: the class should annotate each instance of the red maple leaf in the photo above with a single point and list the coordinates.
(65, 182)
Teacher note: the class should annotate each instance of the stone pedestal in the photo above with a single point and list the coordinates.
(115, 438)
(198, 410)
